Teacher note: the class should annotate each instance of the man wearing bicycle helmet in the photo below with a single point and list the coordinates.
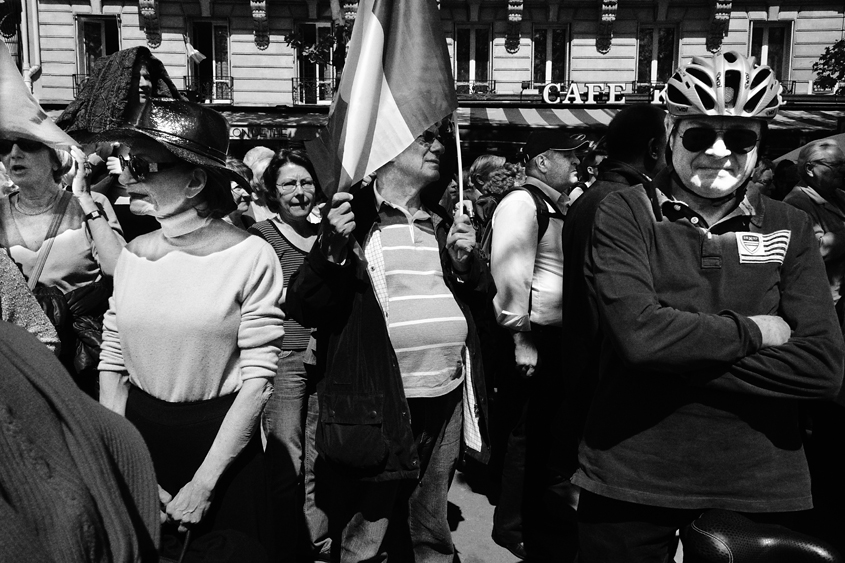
(717, 323)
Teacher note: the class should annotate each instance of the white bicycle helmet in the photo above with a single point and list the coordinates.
(727, 84)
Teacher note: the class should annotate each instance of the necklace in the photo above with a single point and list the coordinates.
(37, 211)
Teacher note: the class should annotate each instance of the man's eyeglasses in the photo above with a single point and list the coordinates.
(739, 141)
(428, 138)
(25, 145)
(832, 165)
(140, 168)
(290, 186)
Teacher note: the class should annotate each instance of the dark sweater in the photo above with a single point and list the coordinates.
(691, 411)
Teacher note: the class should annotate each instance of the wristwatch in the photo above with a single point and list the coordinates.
(93, 215)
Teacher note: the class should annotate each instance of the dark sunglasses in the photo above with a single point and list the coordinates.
(739, 141)
(140, 168)
(428, 137)
(23, 144)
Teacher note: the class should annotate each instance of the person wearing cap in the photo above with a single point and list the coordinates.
(717, 327)
(192, 334)
(528, 271)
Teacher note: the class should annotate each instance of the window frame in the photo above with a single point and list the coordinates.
(473, 67)
(653, 70)
(567, 50)
(321, 95)
(785, 73)
(193, 68)
(82, 67)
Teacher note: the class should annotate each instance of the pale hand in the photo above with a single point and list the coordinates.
(460, 242)
(114, 166)
(81, 184)
(774, 329)
(525, 354)
(190, 505)
(338, 225)
(163, 498)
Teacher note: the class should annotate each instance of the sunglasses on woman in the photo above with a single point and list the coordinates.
(140, 168)
(25, 145)
(739, 141)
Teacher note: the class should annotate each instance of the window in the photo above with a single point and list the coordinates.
(472, 60)
(549, 55)
(770, 45)
(316, 81)
(97, 37)
(656, 61)
(211, 79)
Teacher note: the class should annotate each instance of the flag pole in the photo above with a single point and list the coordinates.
(460, 210)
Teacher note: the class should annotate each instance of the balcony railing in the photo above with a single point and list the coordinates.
(475, 87)
(217, 91)
(78, 81)
(313, 90)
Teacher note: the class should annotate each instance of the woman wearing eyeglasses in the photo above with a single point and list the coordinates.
(192, 334)
(291, 193)
(66, 243)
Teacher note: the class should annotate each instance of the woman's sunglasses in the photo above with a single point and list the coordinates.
(141, 168)
(23, 144)
(739, 141)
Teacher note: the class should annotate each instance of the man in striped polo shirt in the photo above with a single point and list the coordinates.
(389, 286)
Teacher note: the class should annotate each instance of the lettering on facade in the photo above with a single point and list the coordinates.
(591, 93)
(260, 132)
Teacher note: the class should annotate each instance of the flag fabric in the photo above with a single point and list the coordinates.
(193, 55)
(21, 116)
(397, 82)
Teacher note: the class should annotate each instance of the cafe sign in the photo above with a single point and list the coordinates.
(590, 93)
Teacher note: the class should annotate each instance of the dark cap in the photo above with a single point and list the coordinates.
(543, 140)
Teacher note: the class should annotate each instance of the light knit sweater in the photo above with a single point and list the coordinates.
(188, 326)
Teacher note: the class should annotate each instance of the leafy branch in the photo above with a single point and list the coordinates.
(830, 67)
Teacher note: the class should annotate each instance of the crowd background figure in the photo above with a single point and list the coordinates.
(233, 358)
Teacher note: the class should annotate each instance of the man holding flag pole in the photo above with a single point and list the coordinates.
(389, 286)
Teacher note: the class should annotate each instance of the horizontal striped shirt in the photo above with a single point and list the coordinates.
(427, 328)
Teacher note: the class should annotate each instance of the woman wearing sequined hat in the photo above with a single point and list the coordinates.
(192, 335)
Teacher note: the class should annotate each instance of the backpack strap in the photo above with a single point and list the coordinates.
(542, 203)
(41, 259)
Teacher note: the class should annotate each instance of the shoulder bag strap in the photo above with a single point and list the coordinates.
(44, 251)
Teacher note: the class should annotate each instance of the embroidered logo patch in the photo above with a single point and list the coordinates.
(757, 248)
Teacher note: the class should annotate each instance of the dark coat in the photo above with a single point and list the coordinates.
(365, 424)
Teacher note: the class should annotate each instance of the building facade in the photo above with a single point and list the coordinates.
(271, 66)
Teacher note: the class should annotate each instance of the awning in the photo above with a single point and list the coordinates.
(589, 118)
(535, 117)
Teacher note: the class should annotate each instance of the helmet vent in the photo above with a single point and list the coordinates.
(732, 86)
(700, 75)
(751, 105)
(760, 76)
(706, 98)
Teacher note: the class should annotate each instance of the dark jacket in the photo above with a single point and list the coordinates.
(365, 425)
(581, 334)
(691, 410)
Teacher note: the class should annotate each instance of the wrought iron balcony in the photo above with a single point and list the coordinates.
(475, 87)
(313, 90)
(206, 91)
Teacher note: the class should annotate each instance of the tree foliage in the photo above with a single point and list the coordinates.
(830, 67)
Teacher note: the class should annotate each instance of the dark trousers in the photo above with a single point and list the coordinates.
(403, 519)
(522, 514)
(613, 531)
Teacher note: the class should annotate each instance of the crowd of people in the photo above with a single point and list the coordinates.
(631, 339)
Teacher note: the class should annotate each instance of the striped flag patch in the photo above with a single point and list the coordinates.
(759, 248)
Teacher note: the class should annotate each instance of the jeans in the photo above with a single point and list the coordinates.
(406, 519)
(290, 419)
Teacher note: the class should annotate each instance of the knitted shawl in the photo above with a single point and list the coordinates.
(101, 104)
(76, 480)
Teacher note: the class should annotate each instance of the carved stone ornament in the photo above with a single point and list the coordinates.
(261, 29)
(148, 10)
(719, 23)
(604, 38)
(349, 11)
(514, 19)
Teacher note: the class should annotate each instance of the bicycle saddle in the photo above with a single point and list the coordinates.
(721, 536)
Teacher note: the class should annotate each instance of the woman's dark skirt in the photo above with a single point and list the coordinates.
(179, 435)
